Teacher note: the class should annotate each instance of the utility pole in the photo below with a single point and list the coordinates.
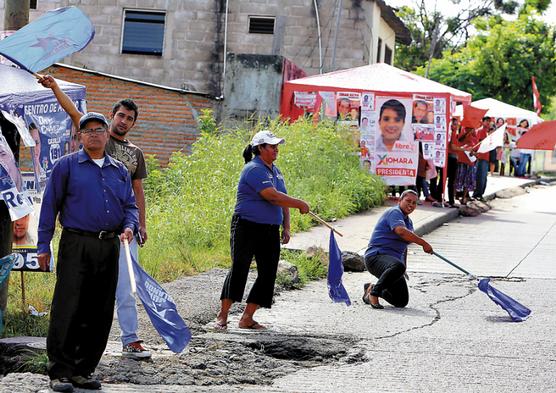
(16, 15)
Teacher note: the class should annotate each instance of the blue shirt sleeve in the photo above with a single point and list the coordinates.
(258, 179)
(396, 219)
(51, 203)
(131, 212)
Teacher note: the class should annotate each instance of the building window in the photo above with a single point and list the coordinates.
(143, 32)
(33, 4)
(261, 25)
(387, 55)
(379, 51)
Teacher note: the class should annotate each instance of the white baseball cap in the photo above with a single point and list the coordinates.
(267, 137)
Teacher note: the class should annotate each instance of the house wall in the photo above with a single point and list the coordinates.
(167, 121)
(192, 56)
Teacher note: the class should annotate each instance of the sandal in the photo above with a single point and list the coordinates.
(367, 300)
(253, 326)
(220, 326)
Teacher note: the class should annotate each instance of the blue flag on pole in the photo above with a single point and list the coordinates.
(50, 38)
(161, 310)
(336, 289)
(518, 312)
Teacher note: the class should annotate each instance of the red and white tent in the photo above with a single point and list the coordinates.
(380, 78)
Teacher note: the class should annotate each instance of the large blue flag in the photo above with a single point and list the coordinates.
(50, 38)
(336, 289)
(518, 312)
(161, 310)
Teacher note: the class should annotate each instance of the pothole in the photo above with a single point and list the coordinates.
(301, 349)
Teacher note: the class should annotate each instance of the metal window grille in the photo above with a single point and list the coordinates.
(261, 25)
(143, 32)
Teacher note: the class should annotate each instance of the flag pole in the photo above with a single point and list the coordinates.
(317, 218)
(130, 267)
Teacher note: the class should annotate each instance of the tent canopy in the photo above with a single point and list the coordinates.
(501, 109)
(379, 77)
(19, 88)
(540, 137)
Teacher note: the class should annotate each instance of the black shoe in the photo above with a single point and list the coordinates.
(62, 384)
(87, 382)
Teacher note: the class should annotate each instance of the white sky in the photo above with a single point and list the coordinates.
(446, 7)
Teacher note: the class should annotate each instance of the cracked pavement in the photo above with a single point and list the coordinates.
(451, 336)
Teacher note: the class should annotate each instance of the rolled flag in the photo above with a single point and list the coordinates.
(161, 310)
(48, 39)
(336, 289)
(518, 312)
(536, 96)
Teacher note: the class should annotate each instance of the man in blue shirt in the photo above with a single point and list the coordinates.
(93, 197)
(386, 255)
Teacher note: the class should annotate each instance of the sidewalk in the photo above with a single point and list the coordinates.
(357, 229)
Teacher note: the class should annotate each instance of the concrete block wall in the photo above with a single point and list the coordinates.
(167, 119)
(194, 37)
(190, 58)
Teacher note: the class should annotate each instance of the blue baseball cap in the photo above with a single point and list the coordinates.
(92, 116)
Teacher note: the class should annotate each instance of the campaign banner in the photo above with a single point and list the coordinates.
(348, 106)
(304, 99)
(51, 129)
(395, 153)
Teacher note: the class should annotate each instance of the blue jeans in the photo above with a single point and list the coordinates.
(482, 172)
(125, 300)
(523, 160)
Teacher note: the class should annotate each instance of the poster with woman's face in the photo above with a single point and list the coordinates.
(395, 151)
(394, 125)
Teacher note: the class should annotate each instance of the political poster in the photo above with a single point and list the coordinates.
(304, 99)
(395, 153)
(328, 104)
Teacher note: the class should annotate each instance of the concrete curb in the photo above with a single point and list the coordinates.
(429, 225)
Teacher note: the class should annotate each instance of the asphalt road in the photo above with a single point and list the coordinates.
(451, 337)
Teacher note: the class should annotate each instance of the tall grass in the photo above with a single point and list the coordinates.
(190, 203)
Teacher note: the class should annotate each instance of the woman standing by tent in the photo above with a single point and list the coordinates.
(466, 172)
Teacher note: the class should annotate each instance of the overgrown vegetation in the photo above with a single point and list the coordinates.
(190, 204)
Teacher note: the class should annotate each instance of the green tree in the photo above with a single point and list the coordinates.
(500, 59)
(433, 33)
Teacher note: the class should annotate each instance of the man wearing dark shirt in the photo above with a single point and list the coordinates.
(386, 255)
(123, 117)
(92, 195)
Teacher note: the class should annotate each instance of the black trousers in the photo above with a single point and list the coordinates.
(452, 172)
(5, 249)
(391, 285)
(83, 304)
(436, 184)
(248, 239)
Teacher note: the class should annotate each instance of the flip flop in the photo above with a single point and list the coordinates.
(253, 326)
(219, 326)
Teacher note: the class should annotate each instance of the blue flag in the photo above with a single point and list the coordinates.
(161, 310)
(336, 289)
(518, 312)
(50, 38)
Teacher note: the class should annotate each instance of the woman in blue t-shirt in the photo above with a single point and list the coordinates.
(386, 255)
(262, 207)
